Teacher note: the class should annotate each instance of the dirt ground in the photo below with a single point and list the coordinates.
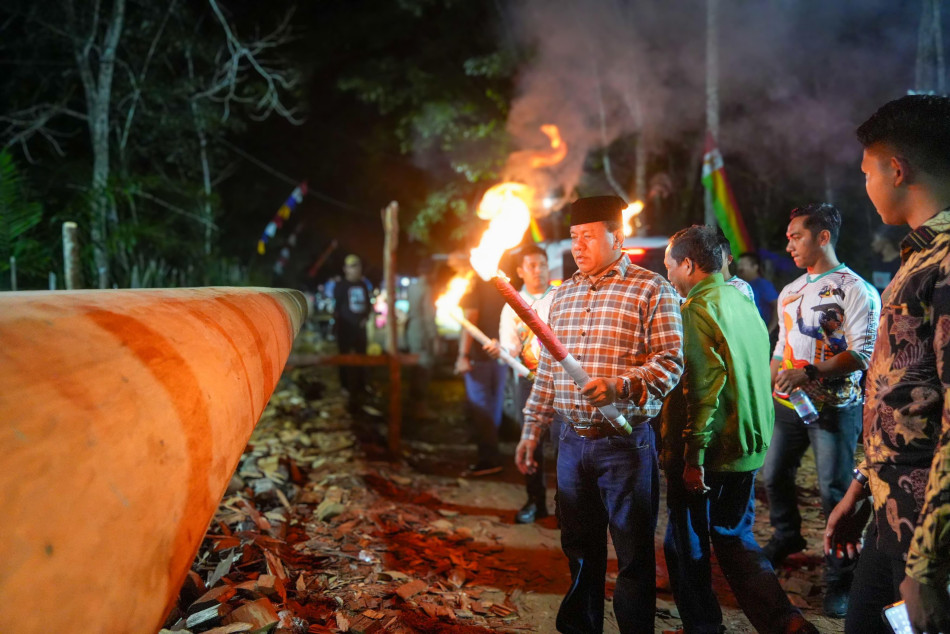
(359, 542)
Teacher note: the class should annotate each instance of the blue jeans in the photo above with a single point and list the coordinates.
(724, 516)
(608, 483)
(485, 391)
(833, 438)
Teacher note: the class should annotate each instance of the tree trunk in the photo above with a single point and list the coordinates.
(98, 91)
(206, 211)
(712, 88)
(929, 72)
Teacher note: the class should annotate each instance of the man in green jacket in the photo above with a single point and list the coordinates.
(716, 430)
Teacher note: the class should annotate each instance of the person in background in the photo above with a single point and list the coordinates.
(520, 342)
(484, 376)
(716, 430)
(828, 318)
(906, 469)
(352, 307)
(749, 269)
(733, 280)
(421, 338)
(622, 324)
(887, 255)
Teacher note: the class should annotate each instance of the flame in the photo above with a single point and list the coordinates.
(506, 205)
(632, 210)
(557, 144)
(447, 305)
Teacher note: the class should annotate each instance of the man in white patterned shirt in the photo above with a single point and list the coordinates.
(622, 323)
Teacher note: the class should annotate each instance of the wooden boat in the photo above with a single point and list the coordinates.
(123, 415)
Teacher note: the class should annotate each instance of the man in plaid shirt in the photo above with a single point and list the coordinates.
(622, 324)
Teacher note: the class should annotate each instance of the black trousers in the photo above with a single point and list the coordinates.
(877, 580)
(351, 339)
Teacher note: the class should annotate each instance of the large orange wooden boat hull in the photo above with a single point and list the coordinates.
(123, 415)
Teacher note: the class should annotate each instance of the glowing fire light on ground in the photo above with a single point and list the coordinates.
(632, 211)
(558, 146)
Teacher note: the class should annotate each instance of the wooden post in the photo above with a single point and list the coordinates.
(391, 227)
(73, 270)
(12, 272)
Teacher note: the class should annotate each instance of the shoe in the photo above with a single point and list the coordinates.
(797, 624)
(531, 512)
(482, 468)
(836, 599)
(779, 548)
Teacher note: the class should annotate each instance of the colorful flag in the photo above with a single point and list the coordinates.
(536, 233)
(724, 203)
(296, 197)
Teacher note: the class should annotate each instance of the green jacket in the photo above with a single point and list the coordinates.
(722, 419)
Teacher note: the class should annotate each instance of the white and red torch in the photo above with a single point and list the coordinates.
(506, 205)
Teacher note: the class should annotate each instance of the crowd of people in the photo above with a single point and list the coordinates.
(711, 400)
(688, 362)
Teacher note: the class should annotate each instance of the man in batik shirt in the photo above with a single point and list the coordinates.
(907, 412)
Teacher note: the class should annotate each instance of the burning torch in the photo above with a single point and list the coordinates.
(449, 302)
(506, 205)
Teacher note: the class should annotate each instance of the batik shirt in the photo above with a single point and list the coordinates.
(821, 316)
(626, 323)
(516, 337)
(907, 412)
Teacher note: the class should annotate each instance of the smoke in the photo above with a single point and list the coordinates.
(796, 77)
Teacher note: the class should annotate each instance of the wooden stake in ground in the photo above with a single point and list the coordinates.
(391, 227)
(73, 271)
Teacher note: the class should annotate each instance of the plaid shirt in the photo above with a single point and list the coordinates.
(626, 324)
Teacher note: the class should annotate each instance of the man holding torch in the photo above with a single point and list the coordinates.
(622, 324)
(521, 342)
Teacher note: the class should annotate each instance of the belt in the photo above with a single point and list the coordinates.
(595, 431)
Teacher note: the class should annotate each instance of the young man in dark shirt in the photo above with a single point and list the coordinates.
(906, 416)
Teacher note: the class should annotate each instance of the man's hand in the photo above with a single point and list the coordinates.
(493, 348)
(846, 523)
(463, 365)
(694, 479)
(788, 380)
(601, 391)
(928, 607)
(524, 455)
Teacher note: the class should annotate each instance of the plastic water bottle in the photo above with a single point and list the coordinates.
(803, 406)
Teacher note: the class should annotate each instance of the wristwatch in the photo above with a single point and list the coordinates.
(811, 372)
(860, 477)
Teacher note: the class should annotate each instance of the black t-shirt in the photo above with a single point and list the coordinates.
(352, 302)
(485, 298)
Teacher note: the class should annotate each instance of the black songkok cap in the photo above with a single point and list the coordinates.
(597, 209)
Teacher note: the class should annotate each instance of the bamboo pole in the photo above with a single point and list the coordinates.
(391, 226)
